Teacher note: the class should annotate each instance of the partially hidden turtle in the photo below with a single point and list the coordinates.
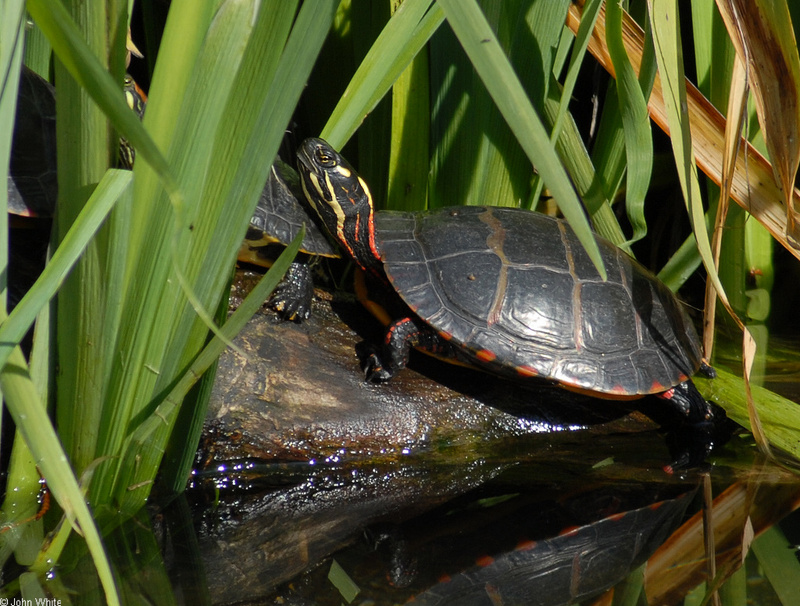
(277, 220)
(509, 291)
(33, 190)
(32, 181)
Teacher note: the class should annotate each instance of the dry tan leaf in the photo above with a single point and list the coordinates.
(679, 564)
(762, 34)
(737, 103)
(753, 184)
(748, 534)
(709, 543)
(748, 357)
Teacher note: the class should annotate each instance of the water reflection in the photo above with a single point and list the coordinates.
(546, 529)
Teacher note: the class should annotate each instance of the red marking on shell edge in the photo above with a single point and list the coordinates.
(484, 355)
(658, 387)
(445, 335)
(656, 506)
(617, 516)
(527, 371)
(667, 395)
(445, 578)
(526, 545)
(484, 561)
(568, 530)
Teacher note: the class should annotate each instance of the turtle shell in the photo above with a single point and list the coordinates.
(280, 214)
(517, 292)
(32, 180)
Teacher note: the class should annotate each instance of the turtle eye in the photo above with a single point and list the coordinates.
(325, 159)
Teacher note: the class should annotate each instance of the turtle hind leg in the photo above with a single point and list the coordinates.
(381, 363)
(687, 401)
(701, 427)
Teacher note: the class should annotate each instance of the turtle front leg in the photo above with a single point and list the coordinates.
(382, 363)
(293, 296)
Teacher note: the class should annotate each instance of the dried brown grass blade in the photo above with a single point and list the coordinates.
(737, 102)
(753, 184)
(748, 356)
(708, 534)
(679, 564)
(762, 34)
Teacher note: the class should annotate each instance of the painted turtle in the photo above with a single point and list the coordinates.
(276, 221)
(137, 101)
(32, 184)
(33, 190)
(32, 181)
(530, 550)
(509, 291)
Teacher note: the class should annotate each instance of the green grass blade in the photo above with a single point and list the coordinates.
(681, 265)
(779, 562)
(88, 222)
(630, 591)
(55, 22)
(11, 29)
(38, 51)
(576, 159)
(147, 349)
(139, 452)
(11, 34)
(665, 23)
(635, 123)
(480, 44)
(779, 416)
(569, 142)
(591, 10)
(223, 143)
(262, 136)
(477, 158)
(180, 454)
(409, 156)
(733, 591)
(409, 30)
(35, 427)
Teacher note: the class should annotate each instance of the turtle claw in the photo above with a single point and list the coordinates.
(375, 371)
(293, 296)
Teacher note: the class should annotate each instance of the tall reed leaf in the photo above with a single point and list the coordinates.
(37, 430)
(761, 31)
(409, 29)
(635, 123)
(139, 448)
(666, 35)
(254, 140)
(11, 33)
(481, 45)
(83, 229)
(56, 23)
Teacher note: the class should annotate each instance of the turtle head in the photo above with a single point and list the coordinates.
(341, 199)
